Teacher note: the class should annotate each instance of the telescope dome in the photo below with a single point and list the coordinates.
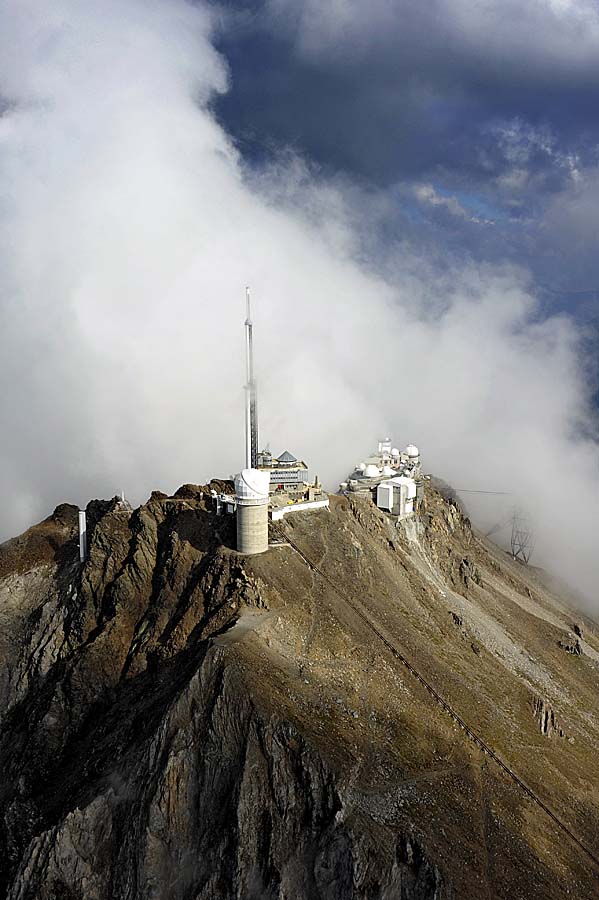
(252, 484)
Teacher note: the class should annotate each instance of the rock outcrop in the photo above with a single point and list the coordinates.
(179, 722)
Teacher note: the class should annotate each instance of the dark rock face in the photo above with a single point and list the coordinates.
(136, 764)
(545, 716)
(575, 649)
(215, 803)
(182, 723)
(469, 572)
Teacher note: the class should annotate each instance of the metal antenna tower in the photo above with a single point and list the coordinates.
(251, 396)
(522, 538)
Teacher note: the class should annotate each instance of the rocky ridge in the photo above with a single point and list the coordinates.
(178, 721)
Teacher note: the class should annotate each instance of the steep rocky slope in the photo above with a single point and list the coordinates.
(179, 722)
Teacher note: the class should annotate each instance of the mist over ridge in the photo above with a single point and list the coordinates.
(130, 224)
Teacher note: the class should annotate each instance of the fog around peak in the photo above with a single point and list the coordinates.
(130, 224)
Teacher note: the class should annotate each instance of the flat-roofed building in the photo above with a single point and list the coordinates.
(286, 472)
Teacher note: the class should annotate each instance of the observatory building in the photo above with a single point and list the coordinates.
(286, 472)
(391, 477)
(291, 489)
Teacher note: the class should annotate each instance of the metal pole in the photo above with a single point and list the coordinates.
(248, 382)
(251, 402)
(82, 536)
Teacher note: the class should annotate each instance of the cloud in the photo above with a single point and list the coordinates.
(129, 226)
(427, 194)
(395, 89)
(540, 36)
(493, 105)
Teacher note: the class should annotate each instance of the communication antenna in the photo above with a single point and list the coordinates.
(522, 538)
(251, 396)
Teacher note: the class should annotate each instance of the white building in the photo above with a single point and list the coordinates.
(392, 477)
(386, 463)
(397, 496)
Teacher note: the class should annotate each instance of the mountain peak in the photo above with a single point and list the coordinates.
(182, 721)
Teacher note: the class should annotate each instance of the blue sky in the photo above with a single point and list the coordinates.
(478, 122)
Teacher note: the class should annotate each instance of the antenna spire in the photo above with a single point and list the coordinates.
(251, 398)
(248, 315)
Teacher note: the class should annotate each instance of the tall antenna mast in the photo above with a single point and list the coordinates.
(251, 398)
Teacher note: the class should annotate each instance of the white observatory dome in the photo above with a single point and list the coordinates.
(372, 471)
(252, 484)
(362, 466)
(387, 471)
(395, 452)
(412, 451)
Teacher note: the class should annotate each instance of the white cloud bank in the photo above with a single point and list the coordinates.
(538, 37)
(128, 232)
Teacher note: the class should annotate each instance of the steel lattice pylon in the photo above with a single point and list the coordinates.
(522, 538)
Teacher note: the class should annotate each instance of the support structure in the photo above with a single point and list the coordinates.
(251, 395)
(522, 538)
(82, 536)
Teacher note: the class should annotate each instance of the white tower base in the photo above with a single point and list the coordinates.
(252, 528)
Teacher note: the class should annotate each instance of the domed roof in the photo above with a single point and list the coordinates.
(395, 452)
(372, 471)
(387, 471)
(252, 484)
(362, 466)
(412, 451)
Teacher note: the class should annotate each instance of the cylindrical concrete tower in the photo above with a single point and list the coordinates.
(251, 492)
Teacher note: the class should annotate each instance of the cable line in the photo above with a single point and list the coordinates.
(468, 491)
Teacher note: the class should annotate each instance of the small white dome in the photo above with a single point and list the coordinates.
(412, 451)
(395, 452)
(252, 484)
(372, 471)
(387, 471)
(362, 466)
